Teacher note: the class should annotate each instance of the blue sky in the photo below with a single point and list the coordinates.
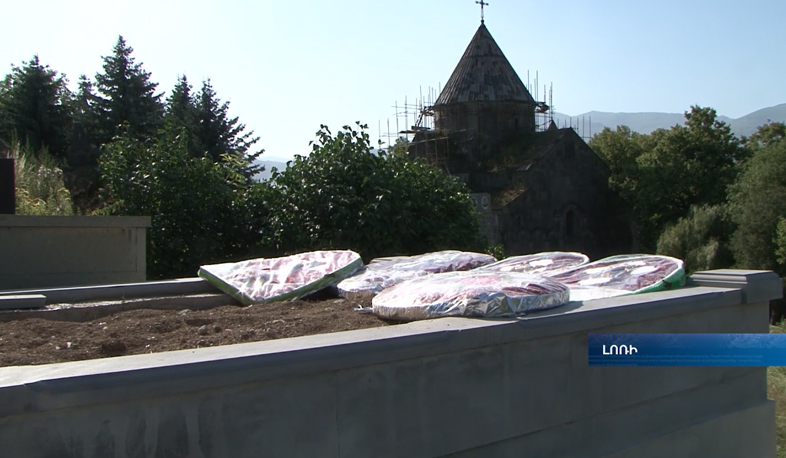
(288, 66)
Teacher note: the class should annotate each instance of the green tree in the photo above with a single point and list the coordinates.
(180, 113)
(210, 130)
(780, 243)
(661, 175)
(180, 109)
(219, 135)
(620, 149)
(401, 146)
(701, 239)
(126, 101)
(202, 211)
(35, 107)
(772, 132)
(758, 202)
(85, 102)
(343, 196)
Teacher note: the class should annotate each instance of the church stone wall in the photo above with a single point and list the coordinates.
(494, 122)
(565, 206)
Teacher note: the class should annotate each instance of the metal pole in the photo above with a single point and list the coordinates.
(7, 187)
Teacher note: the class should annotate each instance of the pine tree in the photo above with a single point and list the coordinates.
(35, 107)
(180, 107)
(85, 102)
(180, 114)
(218, 134)
(126, 100)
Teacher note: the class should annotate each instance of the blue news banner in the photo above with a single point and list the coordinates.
(759, 350)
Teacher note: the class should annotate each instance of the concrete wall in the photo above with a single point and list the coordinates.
(446, 387)
(51, 251)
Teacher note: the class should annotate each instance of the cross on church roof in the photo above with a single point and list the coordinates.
(482, 4)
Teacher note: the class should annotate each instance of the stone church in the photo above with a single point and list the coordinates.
(537, 187)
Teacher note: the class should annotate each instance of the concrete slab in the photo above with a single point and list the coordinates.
(52, 251)
(756, 285)
(74, 221)
(88, 311)
(178, 287)
(25, 301)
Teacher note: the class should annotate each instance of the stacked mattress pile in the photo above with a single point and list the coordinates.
(448, 283)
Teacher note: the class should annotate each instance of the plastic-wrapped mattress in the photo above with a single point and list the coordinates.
(622, 275)
(264, 280)
(470, 294)
(382, 273)
(539, 264)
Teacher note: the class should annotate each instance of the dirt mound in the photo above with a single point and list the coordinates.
(39, 341)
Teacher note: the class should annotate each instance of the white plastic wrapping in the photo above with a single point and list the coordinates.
(382, 273)
(471, 294)
(622, 275)
(260, 281)
(539, 264)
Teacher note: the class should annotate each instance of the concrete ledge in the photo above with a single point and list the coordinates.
(75, 221)
(756, 285)
(29, 301)
(88, 311)
(178, 287)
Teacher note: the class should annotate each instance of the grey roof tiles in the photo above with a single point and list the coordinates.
(483, 74)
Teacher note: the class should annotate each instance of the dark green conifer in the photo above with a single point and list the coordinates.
(126, 101)
(35, 107)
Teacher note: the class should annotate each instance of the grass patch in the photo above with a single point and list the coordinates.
(776, 388)
(40, 189)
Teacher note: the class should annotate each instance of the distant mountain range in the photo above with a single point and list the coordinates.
(279, 163)
(643, 123)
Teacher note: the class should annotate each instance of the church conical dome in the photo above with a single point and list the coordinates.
(483, 74)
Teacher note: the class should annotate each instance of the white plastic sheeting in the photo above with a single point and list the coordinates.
(540, 264)
(472, 294)
(382, 273)
(622, 275)
(263, 280)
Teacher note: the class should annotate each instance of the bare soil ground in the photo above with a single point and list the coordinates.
(39, 341)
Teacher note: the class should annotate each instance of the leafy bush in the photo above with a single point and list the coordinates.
(700, 239)
(202, 211)
(345, 196)
(498, 251)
